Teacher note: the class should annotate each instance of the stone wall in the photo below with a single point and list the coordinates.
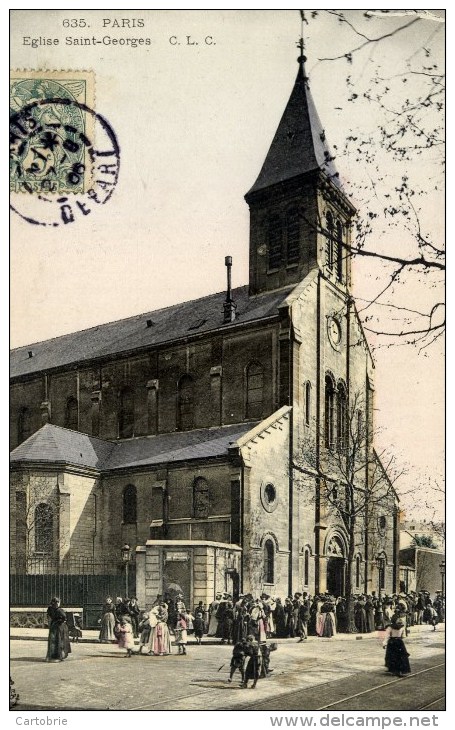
(200, 569)
(71, 498)
(217, 364)
(265, 454)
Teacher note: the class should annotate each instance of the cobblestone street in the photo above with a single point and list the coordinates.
(99, 677)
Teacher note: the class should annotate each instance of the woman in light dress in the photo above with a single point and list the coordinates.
(107, 622)
(213, 621)
(160, 639)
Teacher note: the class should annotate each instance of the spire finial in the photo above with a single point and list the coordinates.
(301, 43)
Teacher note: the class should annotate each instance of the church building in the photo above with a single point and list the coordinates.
(203, 436)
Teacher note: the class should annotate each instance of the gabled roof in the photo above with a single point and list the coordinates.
(299, 145)
(184, 320)
(57, 445)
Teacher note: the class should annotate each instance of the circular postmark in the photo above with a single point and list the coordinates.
(64, 161)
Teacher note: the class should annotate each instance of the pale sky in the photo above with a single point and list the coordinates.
(194, 123)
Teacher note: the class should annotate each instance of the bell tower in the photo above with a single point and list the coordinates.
(299, 214)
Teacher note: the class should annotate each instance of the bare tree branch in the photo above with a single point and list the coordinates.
(382, 37)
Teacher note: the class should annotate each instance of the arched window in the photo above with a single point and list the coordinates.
(341, 417)
(44, 528)
(129, 505)
(269, 562)
(185, 403)
(126, 413)
(357, 571)
(339, 251)
(201, 498)
(329, 412)
(71, 415)
(381, 562)
(275, 242)
(306, 567)
(329, 247)
(24, 426)
(293, 237)
(307, 403)
(254, 390)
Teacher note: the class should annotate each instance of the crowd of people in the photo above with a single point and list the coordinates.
(249, 624)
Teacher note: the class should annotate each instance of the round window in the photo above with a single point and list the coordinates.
(269, 497)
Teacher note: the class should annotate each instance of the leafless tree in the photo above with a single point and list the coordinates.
(430, 508)
(353, 482)
(399, 222)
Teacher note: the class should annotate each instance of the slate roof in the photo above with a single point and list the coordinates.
(62, 446)
(57, 445)
(179, 321)
(299, 145)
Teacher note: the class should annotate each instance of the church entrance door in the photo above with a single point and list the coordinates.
(335, 576)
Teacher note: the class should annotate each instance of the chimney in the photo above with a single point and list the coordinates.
(229, 306)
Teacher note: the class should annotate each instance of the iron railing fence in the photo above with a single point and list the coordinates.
(84, 584)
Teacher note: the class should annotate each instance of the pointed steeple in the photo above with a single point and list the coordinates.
(298, 189)
(299, 145)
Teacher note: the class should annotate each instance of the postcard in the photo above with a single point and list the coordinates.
(227, 365)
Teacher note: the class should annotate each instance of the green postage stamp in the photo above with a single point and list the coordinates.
(49, 128)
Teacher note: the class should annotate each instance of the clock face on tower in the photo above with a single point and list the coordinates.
(334, 331)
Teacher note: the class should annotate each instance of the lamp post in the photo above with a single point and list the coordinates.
(442, 568)
(126, 557)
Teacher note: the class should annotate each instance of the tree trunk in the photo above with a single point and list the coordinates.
(349, 593)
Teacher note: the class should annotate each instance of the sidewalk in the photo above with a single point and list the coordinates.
(90, 636)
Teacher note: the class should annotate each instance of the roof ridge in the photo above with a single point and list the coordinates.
(262, 426)
(124, 319)
(72, 430)
(132, 439)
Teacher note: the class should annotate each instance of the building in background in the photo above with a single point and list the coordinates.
(427, 534)
(200, 435)
(422, 569)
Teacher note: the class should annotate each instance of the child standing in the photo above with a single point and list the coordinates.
(125, 638)
(145, 629)
(238, 660)
(181, 635)
(198, 625)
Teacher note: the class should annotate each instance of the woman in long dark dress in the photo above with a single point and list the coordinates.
(379, 616)
(227, 623)
(280, 620)
(289, 617)
(313, 616)
(58, 643)
(240, 627)
(369, 615)
(342, 616)
(360, 617)
(396, 656)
